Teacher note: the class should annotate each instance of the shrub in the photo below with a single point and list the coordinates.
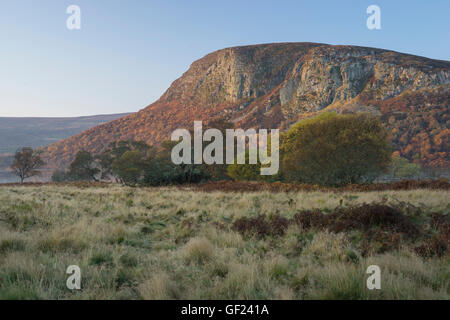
(260, 226)
(83, 167)
(333, 149)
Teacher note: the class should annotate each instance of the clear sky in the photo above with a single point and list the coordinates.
(129, 51)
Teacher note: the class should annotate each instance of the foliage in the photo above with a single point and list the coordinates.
(83, 167)
(165, 172)
(251, 172)
(245, 172)
(130, 166)
(402, 168)
(26, 163)
(217, 172)
(136, 163)
(60, 176)
(333, 149)
(114, 152)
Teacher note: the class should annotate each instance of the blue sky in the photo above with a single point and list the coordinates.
(128, 52)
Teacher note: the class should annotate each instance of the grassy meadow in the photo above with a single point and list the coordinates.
(167, 243)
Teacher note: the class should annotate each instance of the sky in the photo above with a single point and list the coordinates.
(127, 53)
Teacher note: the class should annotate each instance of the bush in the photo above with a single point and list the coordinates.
(402, 168)
(261, 227)
(84, 167)
(60, 176)
(333, 149)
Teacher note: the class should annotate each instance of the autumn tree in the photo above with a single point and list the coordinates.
(26, 163)
(333, 149)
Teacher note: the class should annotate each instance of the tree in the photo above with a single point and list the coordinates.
(162, 171)
(402, 168)
(251, 172)
(114, 152)
(84, 167)
(333, 149)
(217, 171)
(59, 176)
(26, 163)
(246, 172)
(130, 167)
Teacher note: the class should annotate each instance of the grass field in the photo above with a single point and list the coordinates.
(167, 243)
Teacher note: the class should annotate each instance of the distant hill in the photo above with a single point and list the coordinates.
(37, 132)
(275, 85)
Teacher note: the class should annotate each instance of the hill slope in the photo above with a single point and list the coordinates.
(275, 85)
(36, 132)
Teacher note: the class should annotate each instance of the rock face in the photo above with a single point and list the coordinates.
(275, 85)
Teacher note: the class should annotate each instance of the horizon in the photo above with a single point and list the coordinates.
(125, 56)
(82, 116)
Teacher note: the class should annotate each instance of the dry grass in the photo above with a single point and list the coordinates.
(167, 243)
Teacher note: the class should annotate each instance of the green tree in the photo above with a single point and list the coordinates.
(26, 163)
(217, 171)
(249, 172)
(84, 167)
(116, 150)
(162, 171)
(246, 172)
(60, 176)
(333, 149)
(130, 167)
(402, 168)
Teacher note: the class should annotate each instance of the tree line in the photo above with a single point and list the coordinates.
(329, 149)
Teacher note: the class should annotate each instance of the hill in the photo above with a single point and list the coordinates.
(37, 132)
(275, 85)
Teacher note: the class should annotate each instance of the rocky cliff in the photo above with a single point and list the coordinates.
(275, 85)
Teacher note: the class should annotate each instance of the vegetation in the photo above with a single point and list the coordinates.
(336, 149)
(26, 163)
(132, 163)
(330, 149)
(245, 172)
(167, 243)
(402, 168)
(83, 167)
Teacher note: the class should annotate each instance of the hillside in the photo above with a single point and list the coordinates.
(275, 85)
(36, 132)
